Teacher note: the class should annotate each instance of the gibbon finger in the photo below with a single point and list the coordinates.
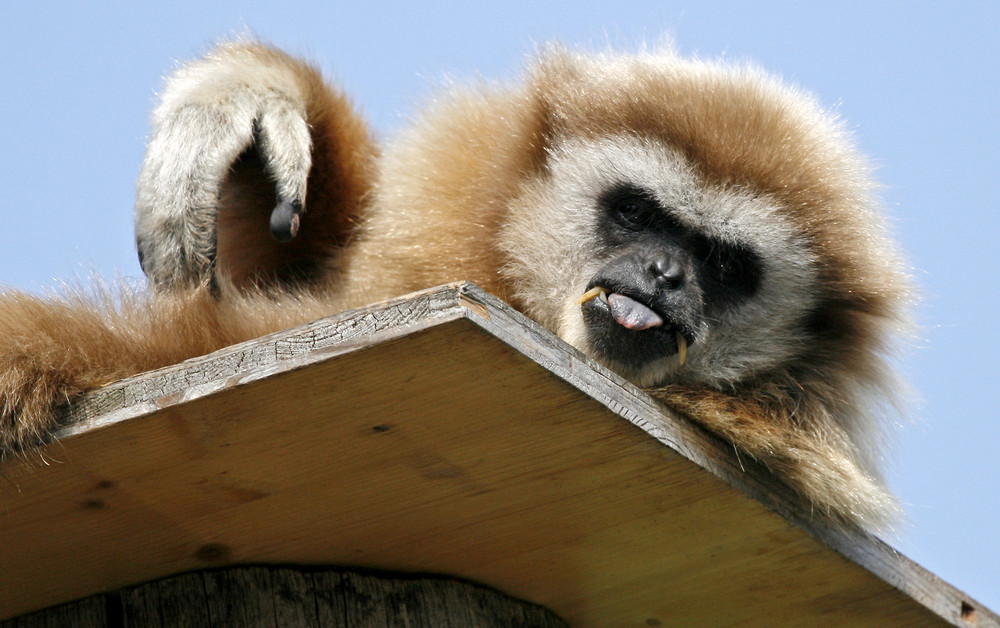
(284, 146)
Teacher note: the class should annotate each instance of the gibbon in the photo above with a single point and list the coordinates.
(702, 229)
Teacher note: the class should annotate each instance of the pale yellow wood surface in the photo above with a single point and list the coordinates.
(440, 434)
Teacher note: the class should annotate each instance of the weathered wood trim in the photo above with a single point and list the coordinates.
(263, 357)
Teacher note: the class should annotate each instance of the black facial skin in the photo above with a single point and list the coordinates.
(682, 275)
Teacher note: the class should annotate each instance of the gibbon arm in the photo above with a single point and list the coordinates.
(53, 349)
(255, 170)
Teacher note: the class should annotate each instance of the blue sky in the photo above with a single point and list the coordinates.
(919, 83)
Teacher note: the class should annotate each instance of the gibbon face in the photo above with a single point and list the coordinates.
(665, 277)
(698, 223)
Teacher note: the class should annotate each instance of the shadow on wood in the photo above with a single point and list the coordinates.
(441, 433)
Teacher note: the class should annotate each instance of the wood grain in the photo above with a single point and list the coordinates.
(442, 433)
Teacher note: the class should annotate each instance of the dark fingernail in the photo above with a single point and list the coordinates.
(285, 220)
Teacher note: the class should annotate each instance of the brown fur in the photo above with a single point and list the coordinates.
(438, 207)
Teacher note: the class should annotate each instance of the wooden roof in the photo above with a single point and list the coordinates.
(440, 433)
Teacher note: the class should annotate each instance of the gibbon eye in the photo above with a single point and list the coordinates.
(635, 209)
(729, 269)
(732, 266)
(635, 212)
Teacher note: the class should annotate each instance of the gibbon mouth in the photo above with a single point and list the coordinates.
(632, 315)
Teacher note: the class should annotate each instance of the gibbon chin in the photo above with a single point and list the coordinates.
(698, 227)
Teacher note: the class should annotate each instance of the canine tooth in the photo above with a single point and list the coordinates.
(682, 349)
(594, 292)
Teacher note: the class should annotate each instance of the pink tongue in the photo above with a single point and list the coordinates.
(631, 314)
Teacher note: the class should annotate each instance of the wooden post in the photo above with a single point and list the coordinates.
(263, 597)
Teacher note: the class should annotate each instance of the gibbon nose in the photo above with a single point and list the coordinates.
(668, 271)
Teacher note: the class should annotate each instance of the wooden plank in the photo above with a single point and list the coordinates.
(442, 433)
